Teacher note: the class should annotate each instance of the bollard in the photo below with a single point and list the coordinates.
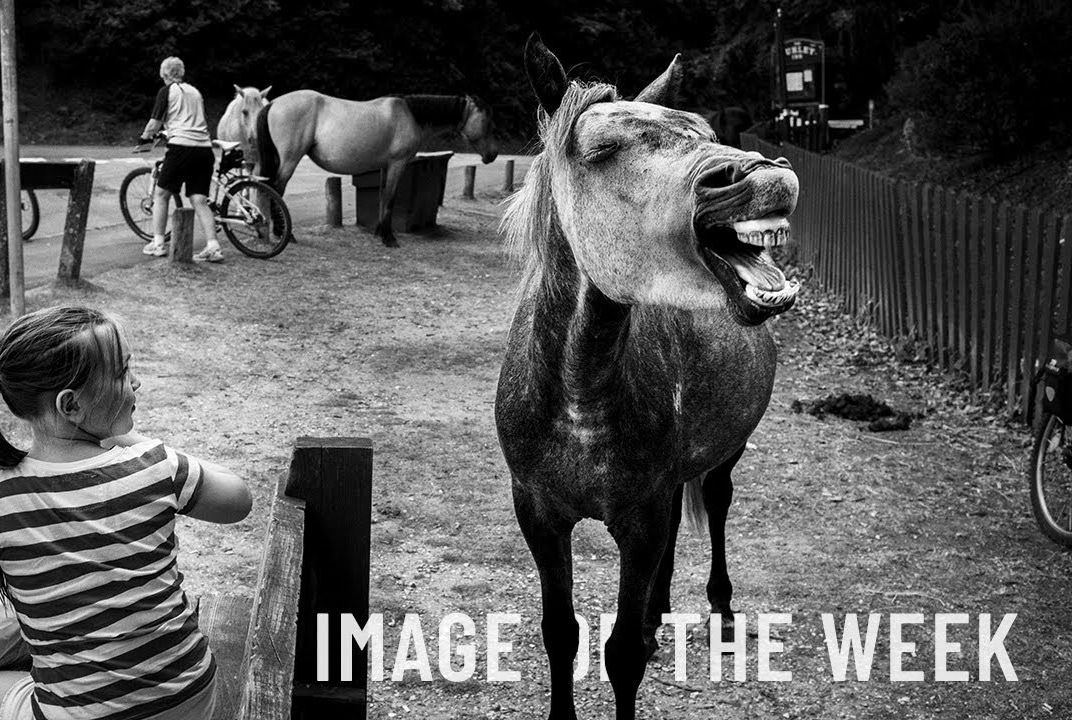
(333, 201)
(470, 180)
(182, 235)
(74, 229)
(508, 179)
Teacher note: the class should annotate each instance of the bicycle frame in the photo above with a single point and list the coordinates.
(218, 184)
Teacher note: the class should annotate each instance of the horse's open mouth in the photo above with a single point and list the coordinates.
(739, 256)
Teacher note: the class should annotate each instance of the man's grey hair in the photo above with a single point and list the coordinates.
(172, 69)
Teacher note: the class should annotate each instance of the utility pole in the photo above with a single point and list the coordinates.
(779, 60)
(14, 282)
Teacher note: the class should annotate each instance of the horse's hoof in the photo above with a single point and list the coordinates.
(390, 242)
(727, 631)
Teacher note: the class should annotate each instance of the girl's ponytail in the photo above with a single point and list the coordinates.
(10, 456)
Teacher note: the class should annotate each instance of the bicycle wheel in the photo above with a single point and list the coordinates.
(31, 214)
(1049, 475)
(136, 202)
(255, 218)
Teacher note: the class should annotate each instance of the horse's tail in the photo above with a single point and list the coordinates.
(267, 153)
(694, 505)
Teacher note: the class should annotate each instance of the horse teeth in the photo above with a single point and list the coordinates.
(766, 238)
(765, 232)
(771, 223)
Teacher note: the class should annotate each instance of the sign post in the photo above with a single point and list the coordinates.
(778, 94)
(798, 89)
(13, 278)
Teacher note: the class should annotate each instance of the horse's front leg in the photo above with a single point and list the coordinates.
(718, 494)
(387, 203)
(549, 541)
(642, 538)
(660, 593)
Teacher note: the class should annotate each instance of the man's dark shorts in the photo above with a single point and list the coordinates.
(189, 165)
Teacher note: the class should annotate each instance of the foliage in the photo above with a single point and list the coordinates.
(113, 47)
(994, 80)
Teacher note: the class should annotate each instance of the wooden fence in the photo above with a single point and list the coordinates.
(983, 285)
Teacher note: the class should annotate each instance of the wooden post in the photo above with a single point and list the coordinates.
(508, 180)
(182, 235)
(333, 201)
(74, 229)
(334, 477)
(13, 279)
(470, 181)
(266, 674)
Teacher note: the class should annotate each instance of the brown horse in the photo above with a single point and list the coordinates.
(637, 360)
(349, 137)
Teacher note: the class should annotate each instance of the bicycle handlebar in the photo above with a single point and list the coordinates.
(157, 140)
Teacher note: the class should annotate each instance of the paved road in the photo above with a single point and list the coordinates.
(110, 243)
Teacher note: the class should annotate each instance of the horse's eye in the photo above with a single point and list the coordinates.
(601, 152)
(245, 112)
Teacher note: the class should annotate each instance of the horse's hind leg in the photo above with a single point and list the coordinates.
(550, 543)
(718, 494)
(642, 538)
(387, 203)
(287, 166)
(660, 593)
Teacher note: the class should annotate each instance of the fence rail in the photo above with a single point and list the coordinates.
(983, 285)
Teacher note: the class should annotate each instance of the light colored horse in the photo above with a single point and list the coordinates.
(239, 121)
(348, 137)
(637, 361)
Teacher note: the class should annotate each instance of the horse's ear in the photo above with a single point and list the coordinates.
(237, 89)
(663, 89)
(545, 73)
(265, 91)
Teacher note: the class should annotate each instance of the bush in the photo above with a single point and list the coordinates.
(994, 81)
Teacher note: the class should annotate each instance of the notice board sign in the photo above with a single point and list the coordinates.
(803, 73)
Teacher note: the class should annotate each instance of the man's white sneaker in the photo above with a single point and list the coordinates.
(209, 255)
(157, 249)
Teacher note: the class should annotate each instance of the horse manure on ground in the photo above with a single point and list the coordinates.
(880, 416)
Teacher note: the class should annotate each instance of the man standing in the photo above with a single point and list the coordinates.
(189, 160)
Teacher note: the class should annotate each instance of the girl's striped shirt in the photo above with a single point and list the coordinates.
(88, 552)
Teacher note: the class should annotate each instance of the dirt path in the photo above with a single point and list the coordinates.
(339, 336)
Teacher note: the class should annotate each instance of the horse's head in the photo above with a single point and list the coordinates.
(653, 208)
(250, 100)
(478, 129)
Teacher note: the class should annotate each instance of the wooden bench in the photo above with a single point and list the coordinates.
(73, 175)
(315, 560)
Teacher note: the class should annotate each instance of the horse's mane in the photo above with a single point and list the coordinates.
(436, 110)
(530, 224)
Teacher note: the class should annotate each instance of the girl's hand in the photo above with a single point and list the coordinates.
(130, 438)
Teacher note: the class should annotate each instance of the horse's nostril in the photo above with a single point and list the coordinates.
(721, 177)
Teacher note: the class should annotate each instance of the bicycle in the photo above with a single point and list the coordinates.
(31, 214)
(1049, 469)
(251, 213)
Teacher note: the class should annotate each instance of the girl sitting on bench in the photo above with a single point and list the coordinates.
(87, 541)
